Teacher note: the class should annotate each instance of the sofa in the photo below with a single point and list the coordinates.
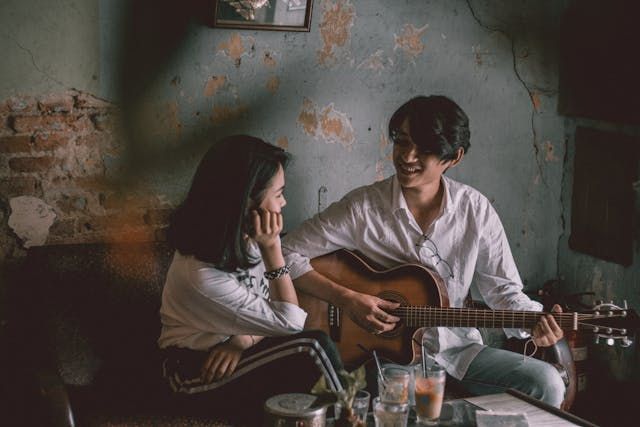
(83, 326)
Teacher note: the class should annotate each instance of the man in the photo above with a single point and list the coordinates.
(420, 216)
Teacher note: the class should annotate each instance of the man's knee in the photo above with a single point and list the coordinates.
(549, 386)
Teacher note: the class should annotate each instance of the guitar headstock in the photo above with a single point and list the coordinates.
(610, 323)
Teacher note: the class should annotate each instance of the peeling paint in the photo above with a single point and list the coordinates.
(268, 60)
(330, 124)
(273, 84)
(550, 155)
(376, 61)
(335, 29)
(283, 142)
(480, 55)
(336, 127)
(386, 154)
(31, 219)
(410, 40)
(225, 113)
(308, 117)
(234, 47)
(535, 100)
(213, 85)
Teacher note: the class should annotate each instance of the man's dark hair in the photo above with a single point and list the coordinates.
(231, 179)
(437, 125)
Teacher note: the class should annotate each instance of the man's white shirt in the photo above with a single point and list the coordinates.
(467, 232)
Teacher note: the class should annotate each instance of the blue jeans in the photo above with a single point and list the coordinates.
(493, 370)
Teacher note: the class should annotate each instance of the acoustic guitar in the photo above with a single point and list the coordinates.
(423, 300)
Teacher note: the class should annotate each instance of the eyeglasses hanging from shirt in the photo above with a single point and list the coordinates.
(431, 250)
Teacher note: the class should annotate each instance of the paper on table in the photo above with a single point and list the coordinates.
(500, 419)
(504, 402)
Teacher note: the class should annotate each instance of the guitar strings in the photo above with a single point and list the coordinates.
(480, 317)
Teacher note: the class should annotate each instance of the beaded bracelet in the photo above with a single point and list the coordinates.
(277, 273)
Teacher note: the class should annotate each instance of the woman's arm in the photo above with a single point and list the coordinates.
(224, 358)
(267, 227)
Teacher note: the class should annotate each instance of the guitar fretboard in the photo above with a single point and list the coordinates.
(418, 316)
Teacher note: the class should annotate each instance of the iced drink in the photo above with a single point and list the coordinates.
(394, 387)
(429, 392)
(390, 414)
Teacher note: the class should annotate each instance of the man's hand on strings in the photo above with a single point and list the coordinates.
(371, 313)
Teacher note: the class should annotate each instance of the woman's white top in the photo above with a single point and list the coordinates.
(203, 306)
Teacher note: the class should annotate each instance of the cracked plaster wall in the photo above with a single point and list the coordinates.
(327, 95)
(48, 45)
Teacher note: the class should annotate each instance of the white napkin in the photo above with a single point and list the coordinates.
(501, 419)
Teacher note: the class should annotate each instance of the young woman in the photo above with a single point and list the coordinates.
(231, 325)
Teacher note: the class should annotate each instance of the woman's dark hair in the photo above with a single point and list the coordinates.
(230, 180)
(437, 125)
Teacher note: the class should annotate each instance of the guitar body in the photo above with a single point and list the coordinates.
(408, 284)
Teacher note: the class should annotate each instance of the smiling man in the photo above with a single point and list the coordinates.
(421, 216)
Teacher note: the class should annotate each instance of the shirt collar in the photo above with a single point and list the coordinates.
(399, 203)
(447, 201)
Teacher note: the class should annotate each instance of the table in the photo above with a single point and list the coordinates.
(462, 412)
(538, 413)
(455, 413)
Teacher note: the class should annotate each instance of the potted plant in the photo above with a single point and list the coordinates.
(351, 382)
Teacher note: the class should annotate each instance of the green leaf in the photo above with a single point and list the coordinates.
(320, 386)
(351, 381)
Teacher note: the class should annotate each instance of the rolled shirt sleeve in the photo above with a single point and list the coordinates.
(496, 275)
(328, 231)
(202, 306)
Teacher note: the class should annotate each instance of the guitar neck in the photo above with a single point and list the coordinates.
(415, 316)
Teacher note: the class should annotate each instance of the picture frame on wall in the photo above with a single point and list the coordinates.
(273, 15)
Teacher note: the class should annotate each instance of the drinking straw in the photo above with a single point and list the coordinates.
(424, 358)
(375, 356)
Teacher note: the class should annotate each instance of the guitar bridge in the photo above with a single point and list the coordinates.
(334, 322)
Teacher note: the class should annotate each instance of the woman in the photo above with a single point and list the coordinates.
(231, 325)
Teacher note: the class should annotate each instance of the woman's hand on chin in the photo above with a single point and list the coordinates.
(267, 227)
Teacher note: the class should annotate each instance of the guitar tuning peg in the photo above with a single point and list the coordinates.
(597, 339)
(598, 302)
(610, 341)
(626, 342)
(624, 305)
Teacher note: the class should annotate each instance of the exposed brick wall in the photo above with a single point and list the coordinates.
(53, 148)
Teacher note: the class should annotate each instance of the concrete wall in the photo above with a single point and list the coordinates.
(48, 45)
(325, 95)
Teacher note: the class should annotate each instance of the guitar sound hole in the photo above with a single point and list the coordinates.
(393, 296)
